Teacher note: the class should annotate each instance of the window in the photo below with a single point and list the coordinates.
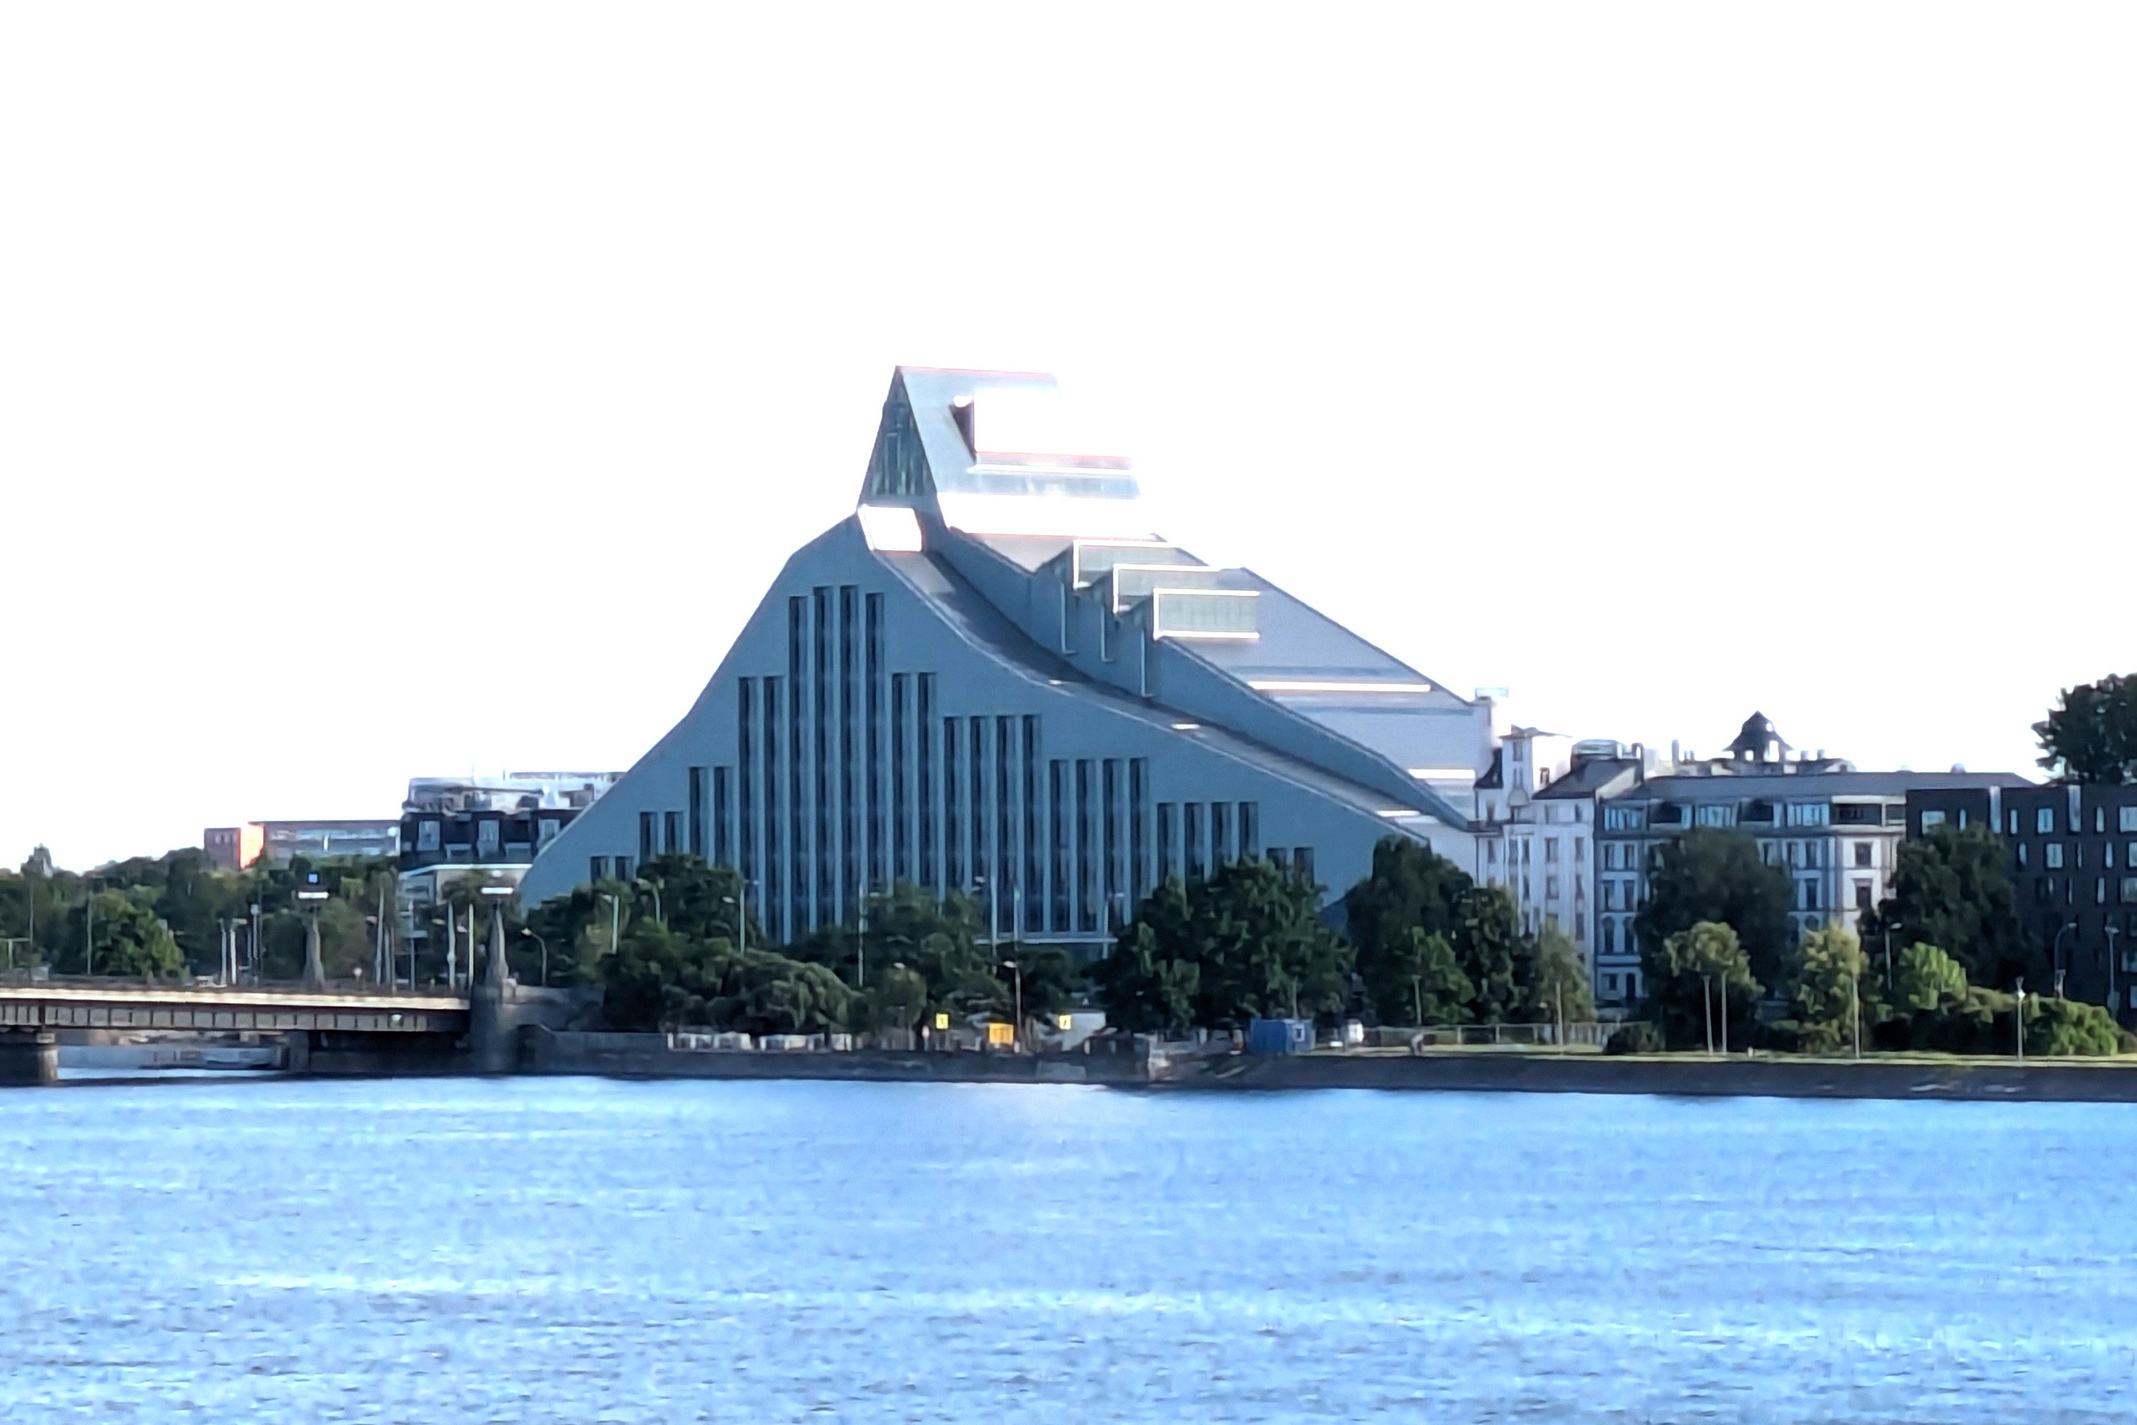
(1809, 813)
(2099, 890)
(1863, 853)
(2014, 821)
(1192, 839)
(2044, 820)
(1491, 853)
(1250, 828)
(1550, 888)
(597, 868)
(1057, 786)
(546, 829)
(2052, 855)
(1580, 848)
(1714, 816)
(1302, 862)
(2126, 818)
(671, 832)
(1528, 851)
(426, 836)
(2022, 850)
(1934, 819)
(1087, 813)
(1810, 853)
(1610, 982)
(1550, 852)
(1610, 944)
(1617, 818)
(1862, 896)
(623, 868)
(2129, 890)
(694, 797)
(1810, 895)
(2043, 892)
(1220, 834)
(723, 851)
(486, 837)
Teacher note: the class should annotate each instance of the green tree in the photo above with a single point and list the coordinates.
(1494, 953)
(127, 936)
(1711, 875)
(1421, 983)
(1925, 980)
(2068, 1026)
(1952, 888)
(1560, 988)
(1410, 887)
(1704, 964)
(2092, 735)
(1826, 983)
(1245, 943)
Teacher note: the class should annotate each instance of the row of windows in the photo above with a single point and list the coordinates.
(2045, 818)
(2052, 855)
(2047, 890)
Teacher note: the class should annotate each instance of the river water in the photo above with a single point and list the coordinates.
(561, 1249)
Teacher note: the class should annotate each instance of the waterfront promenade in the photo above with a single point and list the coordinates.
(1184, 1068)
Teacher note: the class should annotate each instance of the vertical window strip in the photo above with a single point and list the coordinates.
(797, 887)
(849, 806)
(723, 851)
(901, 836)
(745, 781)
(1167, 811)
(824, 695)
(1138, 833)
(976, 780)
(771, 892)
(695, 802)
(1034, 883)
(1086, 856)
(1058, 896)
(953, 851)
(878, 849)
(1005, 828)
(1112, 843)
(924, 777)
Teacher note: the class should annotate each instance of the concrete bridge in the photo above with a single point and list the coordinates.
(326, 1030)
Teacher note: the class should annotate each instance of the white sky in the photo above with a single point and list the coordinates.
(405, 389)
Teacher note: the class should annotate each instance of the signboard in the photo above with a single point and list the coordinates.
(1001, 1034)
(942, 1021)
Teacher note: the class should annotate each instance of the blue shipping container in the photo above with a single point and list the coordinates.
(1279, 1036)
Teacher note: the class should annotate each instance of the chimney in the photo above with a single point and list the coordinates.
(1674, 754)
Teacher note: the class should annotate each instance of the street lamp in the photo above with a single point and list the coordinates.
(2112, 931)
(653, 886)
(527, 934)
(1018, 1038)
(2056, 954)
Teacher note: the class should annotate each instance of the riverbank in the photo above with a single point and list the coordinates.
(647, 1056)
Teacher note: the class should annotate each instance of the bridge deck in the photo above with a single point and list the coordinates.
(88, 1006)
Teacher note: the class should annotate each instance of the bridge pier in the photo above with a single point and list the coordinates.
(29, 1056)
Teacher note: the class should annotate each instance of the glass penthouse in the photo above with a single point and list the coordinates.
(994, 677)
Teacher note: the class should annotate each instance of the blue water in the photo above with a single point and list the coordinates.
(590, 1251)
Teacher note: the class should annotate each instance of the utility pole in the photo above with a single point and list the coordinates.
(1706, 1003)
(2112, 1008)
(1855, 1012)
(2021, 1020)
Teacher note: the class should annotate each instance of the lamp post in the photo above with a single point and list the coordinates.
(615, 920)
(1017, 1041)
(2112, 931)
(653, 886)
(527, 934)
(2056, 954)
(1706, 1003)
(2021, 1019)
